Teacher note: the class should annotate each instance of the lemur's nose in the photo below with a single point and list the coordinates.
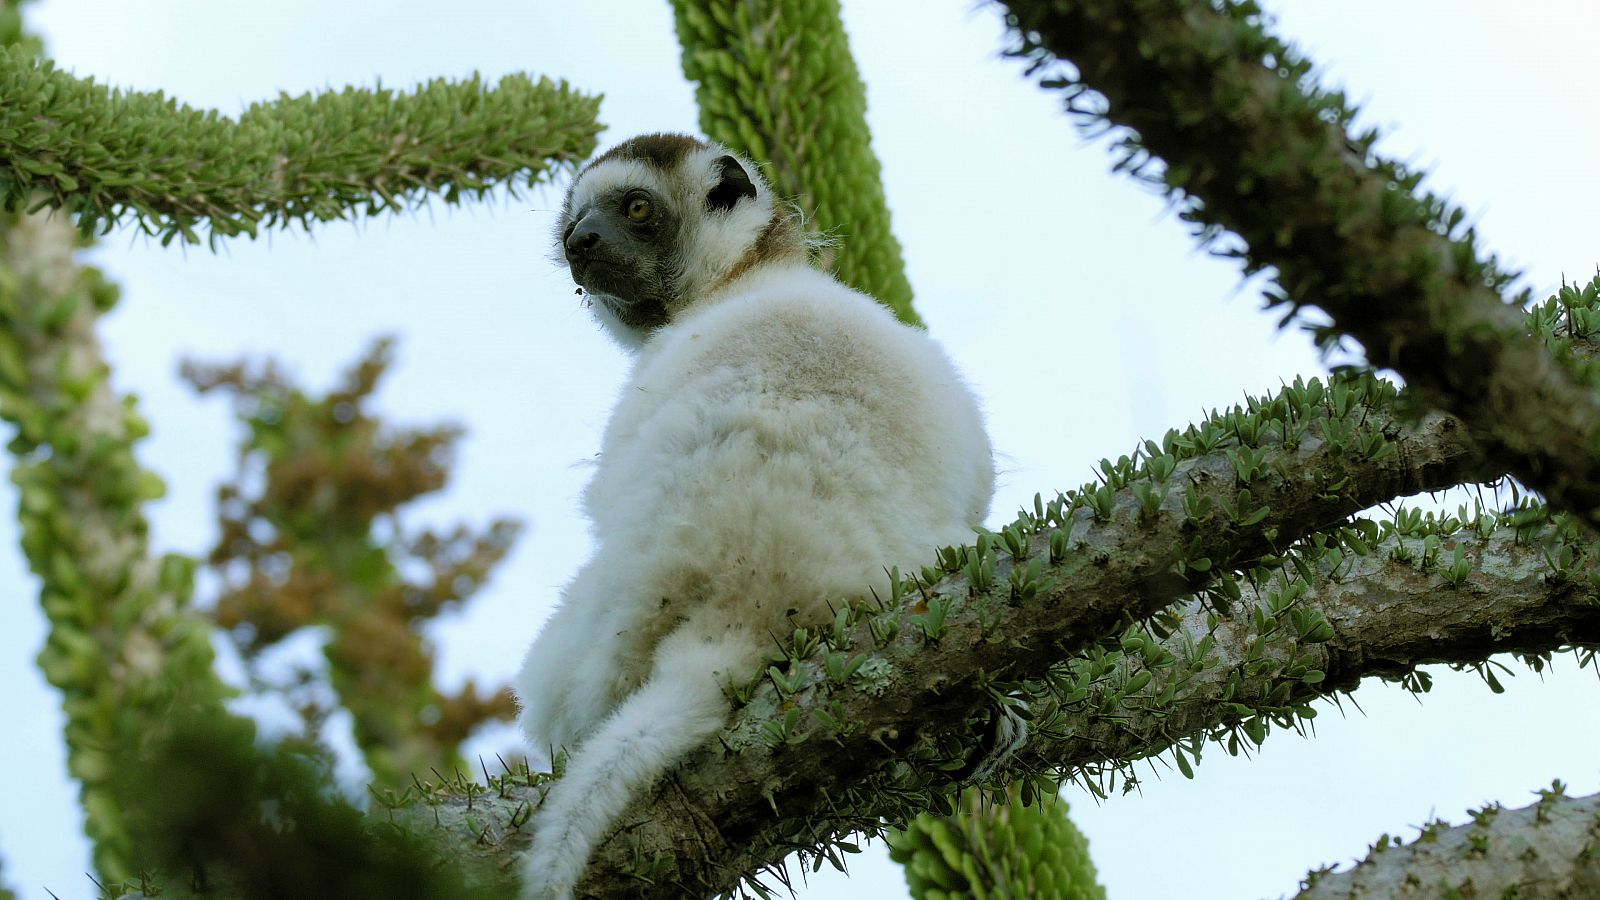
(585, 235)
(582, 240)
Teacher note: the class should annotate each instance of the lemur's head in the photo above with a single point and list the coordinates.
(662, 220)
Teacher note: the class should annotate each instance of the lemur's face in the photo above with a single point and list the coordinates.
(622, 249)
(653, 220)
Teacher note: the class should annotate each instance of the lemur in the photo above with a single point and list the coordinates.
(780, 443)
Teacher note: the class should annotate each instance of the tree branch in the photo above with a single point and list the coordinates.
(108, 155)
(124, 649)
(1257, 150)
(1229, 680)
(990, 627)
(775, 80)
(1546, 851)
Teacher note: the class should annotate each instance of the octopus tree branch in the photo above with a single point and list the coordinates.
(775, 79)
(124, 649)
(1413, 598)
(1545, 851)
(1257, 150)
(107, 155)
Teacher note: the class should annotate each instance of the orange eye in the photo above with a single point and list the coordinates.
(639, 209)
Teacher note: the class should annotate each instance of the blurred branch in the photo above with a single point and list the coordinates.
(123, 647)
(219, 817)
(1011, 846)
(310, 539)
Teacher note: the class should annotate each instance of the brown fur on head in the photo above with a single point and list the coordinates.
(662, 221)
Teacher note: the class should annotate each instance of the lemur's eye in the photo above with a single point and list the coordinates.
(639, 209)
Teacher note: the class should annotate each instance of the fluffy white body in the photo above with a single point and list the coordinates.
(779, 444)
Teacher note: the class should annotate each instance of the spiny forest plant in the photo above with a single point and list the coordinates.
(108, 156)
(998, 848)
(775, 80)
(1202, 593)
(133, 661)
(123, 648)
(311, 539)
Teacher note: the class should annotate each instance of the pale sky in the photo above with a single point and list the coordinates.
(1073, 299)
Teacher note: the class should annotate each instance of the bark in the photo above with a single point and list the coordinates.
(1386, 617)
(1549, 850)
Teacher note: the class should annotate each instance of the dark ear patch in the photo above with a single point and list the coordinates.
(735, 184)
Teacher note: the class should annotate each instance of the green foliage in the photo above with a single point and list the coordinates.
(775, 81)
(1001, 848)
(310, 538)
(12, 33)
(109, 155)
(122, 647)
(222, 817)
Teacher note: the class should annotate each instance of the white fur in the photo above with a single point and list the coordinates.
(720, 240)
(610, 175)
(777, 447)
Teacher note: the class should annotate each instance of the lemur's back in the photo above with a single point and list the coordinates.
(799, 442)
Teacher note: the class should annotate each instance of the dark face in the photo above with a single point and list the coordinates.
(621, 249)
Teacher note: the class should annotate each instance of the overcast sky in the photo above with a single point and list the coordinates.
(1074, 301)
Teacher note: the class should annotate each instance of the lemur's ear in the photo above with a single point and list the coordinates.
(735, 184)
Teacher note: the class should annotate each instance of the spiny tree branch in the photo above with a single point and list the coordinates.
(123, 648)
(988, 628)
(108, 155)
(1432, 590)
(1255, 148)
(1549, 850)
(775, 80)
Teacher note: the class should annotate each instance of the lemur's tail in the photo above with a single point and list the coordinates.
(679, 707)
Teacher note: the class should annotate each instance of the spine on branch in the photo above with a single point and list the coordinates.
(1216, 110)
(775, 80)
(109, 155)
